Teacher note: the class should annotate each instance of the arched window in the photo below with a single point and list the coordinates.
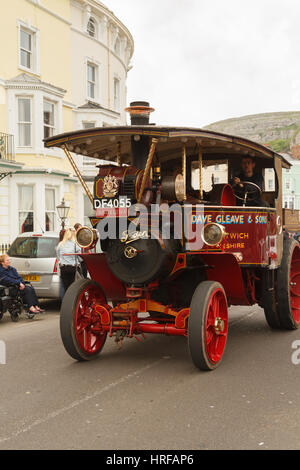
(91, 27)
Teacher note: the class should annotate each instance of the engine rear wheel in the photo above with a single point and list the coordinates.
(288, 286)
(208, 325)
(271, 310)
(79, 321)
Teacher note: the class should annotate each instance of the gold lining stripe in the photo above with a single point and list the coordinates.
(70, 139)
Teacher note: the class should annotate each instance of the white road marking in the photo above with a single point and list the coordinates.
(77, 403)
(250, 314)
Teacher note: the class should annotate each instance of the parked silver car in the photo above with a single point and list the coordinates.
(34, 257)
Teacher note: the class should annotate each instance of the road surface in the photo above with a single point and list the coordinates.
(148, 395)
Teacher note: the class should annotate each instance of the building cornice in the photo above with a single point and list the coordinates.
(26, 82)
(11, 165)
(106, 112)
(43, 171)
(67, 104)
(71, 180)
(50, 12)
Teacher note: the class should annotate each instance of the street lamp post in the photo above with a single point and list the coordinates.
(63, 211)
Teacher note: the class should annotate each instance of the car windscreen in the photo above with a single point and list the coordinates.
(33, 247)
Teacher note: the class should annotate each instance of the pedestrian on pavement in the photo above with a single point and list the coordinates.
(61, 286)
(61, 234)
(67, 258)
(9, 276)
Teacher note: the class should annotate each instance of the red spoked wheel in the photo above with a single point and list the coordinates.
(295, 285)
(288, 286)
(80, 324)
(208, 325)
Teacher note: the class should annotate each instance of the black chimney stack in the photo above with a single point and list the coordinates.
(139, 115)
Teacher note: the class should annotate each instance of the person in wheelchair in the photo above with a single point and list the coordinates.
(248, 184)
(9, 276)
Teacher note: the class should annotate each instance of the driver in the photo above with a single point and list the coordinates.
(248, 174)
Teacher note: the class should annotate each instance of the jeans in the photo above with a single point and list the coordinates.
(67, 274)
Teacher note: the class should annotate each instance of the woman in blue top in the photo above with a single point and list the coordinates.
(9, 276)
(67, 259)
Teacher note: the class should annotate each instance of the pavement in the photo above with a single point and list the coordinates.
(148, 395)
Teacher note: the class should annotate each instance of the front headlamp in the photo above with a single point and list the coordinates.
(213, 234)
(86, 237)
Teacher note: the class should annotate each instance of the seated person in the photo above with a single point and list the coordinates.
(247, 174)
(9, 276)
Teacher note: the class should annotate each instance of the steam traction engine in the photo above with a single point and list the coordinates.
(173, 256)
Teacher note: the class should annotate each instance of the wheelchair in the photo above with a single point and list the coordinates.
(11, 301)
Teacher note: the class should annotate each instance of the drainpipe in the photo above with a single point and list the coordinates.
(108, 63)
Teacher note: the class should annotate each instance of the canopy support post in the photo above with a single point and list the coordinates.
(184, 170)
(148, 167)
(119, 162)
(200, 174)
(75, 168)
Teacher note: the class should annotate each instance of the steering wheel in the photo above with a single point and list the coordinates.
(256, 191)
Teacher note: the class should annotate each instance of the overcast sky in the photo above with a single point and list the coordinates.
(200, 61)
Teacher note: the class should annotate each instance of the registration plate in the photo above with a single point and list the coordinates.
(31, 278)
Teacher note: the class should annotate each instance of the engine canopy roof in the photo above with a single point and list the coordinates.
(105, 143)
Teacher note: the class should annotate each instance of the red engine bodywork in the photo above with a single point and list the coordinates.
(248, 244)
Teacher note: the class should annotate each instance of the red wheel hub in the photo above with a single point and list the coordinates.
(88, 330)
(216, 326)
(295, 285)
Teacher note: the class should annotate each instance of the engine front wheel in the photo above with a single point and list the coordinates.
(208, 325)
(80, 325)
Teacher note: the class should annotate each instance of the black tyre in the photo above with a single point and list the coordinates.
(271, 310)
(78, 320)
(1, 315)
(15, 317)
(208, 325)
(30, 316)
(288, 286)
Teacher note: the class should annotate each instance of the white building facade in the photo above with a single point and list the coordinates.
(64, 68)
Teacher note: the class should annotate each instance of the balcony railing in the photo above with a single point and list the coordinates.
(7, 147)
(4, 247)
